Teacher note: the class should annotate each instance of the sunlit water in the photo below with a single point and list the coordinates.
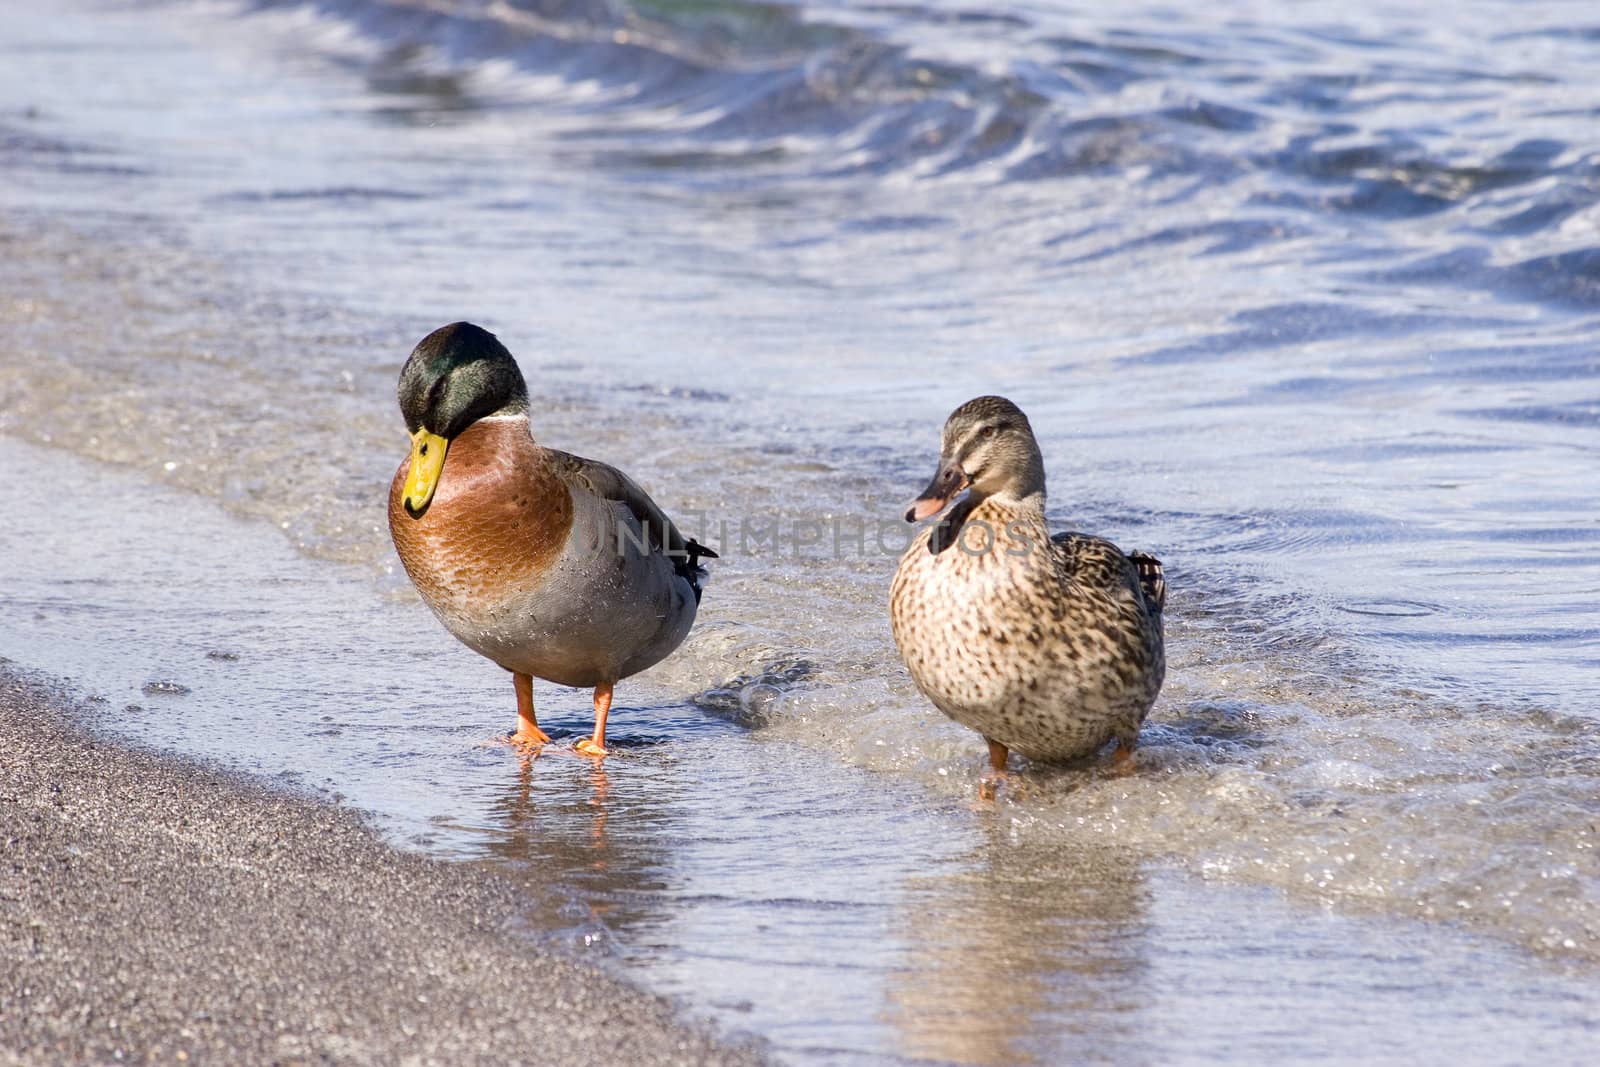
(1304, 307)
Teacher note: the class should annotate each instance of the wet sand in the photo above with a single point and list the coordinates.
(153, 910)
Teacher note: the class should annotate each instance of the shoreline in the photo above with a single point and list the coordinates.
(155, 909)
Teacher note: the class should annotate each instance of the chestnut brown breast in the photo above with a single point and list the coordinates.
(497, 522)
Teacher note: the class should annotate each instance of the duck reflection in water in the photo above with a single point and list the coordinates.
(1023, 953)
(518, 809)
(552, 827)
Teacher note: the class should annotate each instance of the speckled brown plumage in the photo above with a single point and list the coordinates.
(1050, 645)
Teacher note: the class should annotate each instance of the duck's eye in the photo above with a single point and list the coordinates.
(988, 432)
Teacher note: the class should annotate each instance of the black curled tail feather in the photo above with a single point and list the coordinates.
(688, 565)
(1151, 578)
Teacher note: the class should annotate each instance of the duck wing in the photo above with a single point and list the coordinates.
(609, 483)
(1096, 561)
(1151, 578)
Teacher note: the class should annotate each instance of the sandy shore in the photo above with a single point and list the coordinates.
(154, 910)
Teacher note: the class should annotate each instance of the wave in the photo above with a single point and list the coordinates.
(726, 95)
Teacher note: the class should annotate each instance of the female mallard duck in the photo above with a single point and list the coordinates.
(549, 564)
(1049, 645)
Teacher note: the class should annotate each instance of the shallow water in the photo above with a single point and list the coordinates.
(1306, 309)
(848, 915)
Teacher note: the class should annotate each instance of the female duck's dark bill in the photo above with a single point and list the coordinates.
(950, 480)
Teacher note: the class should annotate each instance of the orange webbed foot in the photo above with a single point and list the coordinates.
(527, 739)
(596, 746)
(1123, 764)
(589, 747)
(989, 785)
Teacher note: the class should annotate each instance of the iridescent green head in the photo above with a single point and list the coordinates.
(456, 375)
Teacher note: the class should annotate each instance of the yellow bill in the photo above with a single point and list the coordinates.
(427, 460)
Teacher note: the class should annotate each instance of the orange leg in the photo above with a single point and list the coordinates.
(528, 734)
(1122, 757)
(596, 745)
(991, 782)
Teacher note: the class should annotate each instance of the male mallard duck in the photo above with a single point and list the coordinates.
(1049, 645)
(552, 565)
